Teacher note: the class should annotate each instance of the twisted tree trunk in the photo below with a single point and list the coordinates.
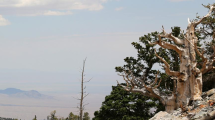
(187, 81)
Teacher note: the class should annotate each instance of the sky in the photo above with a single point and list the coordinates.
(43, 42)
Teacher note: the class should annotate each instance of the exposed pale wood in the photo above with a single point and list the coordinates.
(167, 67)
(209, 13)
(175, 39)
(187, 81)
(166, 45)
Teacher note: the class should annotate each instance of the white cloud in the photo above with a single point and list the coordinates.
(119, 8)
(3, 21)
(49, 7)
(48, 13)
(57, 13)
(63, 4)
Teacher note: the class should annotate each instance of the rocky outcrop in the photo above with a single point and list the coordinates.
(198, 110)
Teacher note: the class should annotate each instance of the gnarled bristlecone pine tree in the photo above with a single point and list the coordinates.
(188, 80)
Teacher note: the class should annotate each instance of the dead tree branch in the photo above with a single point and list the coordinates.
(175, 39)
(167, 67)
(209, 13)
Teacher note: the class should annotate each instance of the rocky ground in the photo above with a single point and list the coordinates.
(199, 110)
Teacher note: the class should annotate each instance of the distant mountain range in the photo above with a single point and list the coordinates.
(13, 92)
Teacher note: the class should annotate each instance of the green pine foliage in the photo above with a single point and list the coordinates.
(123, 105)
(86, 116)
(52, 114)
(143, 65)
(35, 117)
(76, 117)
(72, 117)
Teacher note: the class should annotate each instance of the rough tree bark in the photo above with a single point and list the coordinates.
(187, 81)
(82, 91)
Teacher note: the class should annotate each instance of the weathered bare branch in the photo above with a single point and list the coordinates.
(76, 98)
(156, 79)
(204, 66)
(150, 90)
(166, 45)
(130, 82)
(208, 66)
(175, 39)
(210, 63)
(167, 67)
(147, 90)
(200, 54)
(88, 80)
(209, 13)
(158, 84)
(189, 22)
(86, 95)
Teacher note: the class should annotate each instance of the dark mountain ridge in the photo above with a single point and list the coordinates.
(10, 91)
(13, 92)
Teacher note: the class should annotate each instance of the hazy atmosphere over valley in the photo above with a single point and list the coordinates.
(43, 44)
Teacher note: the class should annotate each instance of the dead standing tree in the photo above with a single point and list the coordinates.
(81, 106)
(187, 81)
